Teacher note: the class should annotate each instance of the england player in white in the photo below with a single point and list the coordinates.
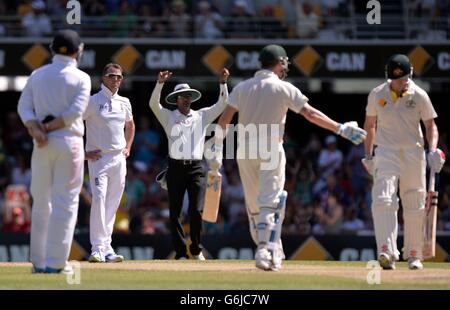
(264, 100)
(109, 136)
(51, 107)
(393, 114)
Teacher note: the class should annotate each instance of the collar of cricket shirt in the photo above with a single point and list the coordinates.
(179, 114)
(108, 94)
(265, 73)
(65, 60)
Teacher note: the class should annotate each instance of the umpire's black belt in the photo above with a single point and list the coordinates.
(185, 162)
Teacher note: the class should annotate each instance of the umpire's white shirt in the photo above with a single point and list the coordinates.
(58, 89)
(186, 133)
(105, 118)
(398, 122)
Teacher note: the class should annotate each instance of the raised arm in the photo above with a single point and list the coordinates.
(161, 113)
(211, 113)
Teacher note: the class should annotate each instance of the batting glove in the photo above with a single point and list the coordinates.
(436, 160)
(216, 162)
(369, 164)
(352, 132)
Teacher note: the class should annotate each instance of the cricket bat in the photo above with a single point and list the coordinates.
(212, 196)
(429, 226)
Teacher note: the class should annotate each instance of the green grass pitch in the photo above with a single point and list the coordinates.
(226, 275)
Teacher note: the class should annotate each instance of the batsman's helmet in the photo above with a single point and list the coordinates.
(398, 67)
(274, 53)
(66, 42)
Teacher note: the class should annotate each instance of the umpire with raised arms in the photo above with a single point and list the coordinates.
(51, 107)
(186, 129)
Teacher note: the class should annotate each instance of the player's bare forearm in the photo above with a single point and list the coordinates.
(55, 124)
(431, 133)
(369, 127)
(226, 117)
(318, 118)
(224, 120)
(37, 132)
(130, 130)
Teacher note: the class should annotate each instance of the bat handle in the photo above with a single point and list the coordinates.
(431, 182)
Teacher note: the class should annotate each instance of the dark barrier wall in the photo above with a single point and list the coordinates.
(15, 247)
(144, 59)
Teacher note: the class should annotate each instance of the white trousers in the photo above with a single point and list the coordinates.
(262, 187)
(405, 170)
(107, 179)
(57, 177)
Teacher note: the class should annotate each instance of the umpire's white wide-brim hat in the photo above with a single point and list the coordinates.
(180, 89)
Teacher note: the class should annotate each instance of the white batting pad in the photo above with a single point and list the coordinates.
(413, 212)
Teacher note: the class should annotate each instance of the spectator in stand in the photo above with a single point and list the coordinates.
(149, 23)
(94, 8)
(15, 137)
(21, 174)
(17, 210)
(2, 13)
(179, 20)
(329, 219)
(330, 160)
(270, 26)
(351, 222)
(208, 24)
(308, 21)
(146, 142)
(241, 24)
(37, 23)
(359, 175)
(124, 22)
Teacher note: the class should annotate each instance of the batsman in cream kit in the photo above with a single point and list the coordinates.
(393, 115)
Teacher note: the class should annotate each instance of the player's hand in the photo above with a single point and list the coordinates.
(436, 160)
(216, 162)
(163, 76)
(37, 132)
(93, 155)
(224, 74)
(352, 132)
(369, 165)
(126, 152)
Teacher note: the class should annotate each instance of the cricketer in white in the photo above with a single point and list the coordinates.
(393, 114)
(107, 147)
(57, 91)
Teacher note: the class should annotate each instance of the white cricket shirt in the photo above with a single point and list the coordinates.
(398, 123)
(58, 89)
(265, 99)
(105, 121)
(186, 133)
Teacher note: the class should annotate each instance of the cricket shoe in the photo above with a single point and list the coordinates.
(35, 269)
(200, 256)
(263, 258)
(387, 262)
(113, 258)
(97, 257)
(67, 270)
(414, 263)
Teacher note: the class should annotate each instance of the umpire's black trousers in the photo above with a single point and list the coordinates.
(185, 175)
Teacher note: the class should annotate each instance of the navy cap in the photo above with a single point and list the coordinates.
(66, 42)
